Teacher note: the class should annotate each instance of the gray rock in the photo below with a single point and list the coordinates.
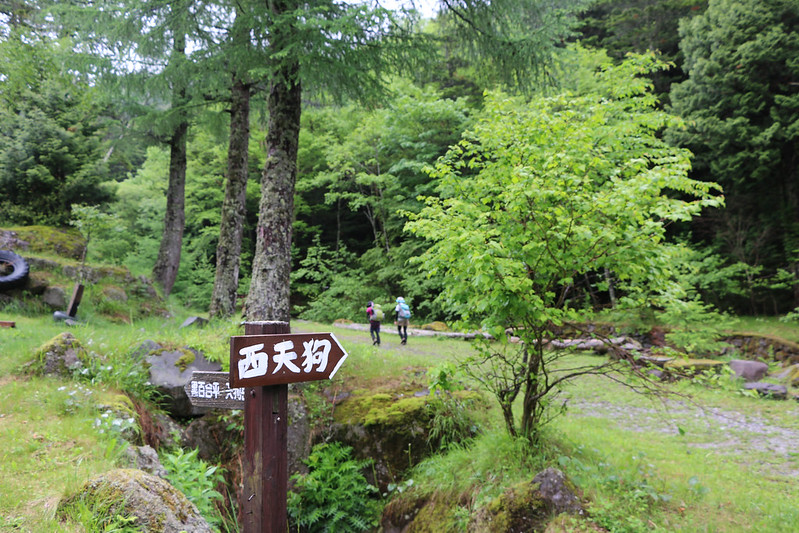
(60, 357)
(145, 458)
(778, 392)
(556, 492)
(154, 503)
(55, 297)
(170, 370)
(299, 436)
(196, 321)
(165, 432)
(115, 294)
(215, 443)
(145, 348)
(749, 370)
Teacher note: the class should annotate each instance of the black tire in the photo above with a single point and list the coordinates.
(13, 270)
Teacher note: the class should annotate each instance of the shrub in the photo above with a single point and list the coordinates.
(334, 495)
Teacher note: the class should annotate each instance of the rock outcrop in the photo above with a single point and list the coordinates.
(148, 501)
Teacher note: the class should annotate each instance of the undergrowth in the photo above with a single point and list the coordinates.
(334, 496)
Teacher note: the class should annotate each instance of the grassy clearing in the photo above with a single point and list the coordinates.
(709, 464)
(49, 443)
(766, 326)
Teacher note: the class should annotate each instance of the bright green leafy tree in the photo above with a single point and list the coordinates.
(536, 196)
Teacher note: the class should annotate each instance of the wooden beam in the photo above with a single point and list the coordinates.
(262, 504)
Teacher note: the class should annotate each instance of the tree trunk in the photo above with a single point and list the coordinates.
(165, 270)
(268, 298)
(166, 266)
(532, 409)
(228, 251)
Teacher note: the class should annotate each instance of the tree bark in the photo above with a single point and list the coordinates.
(268, 298)
(228, 251)
(166, 266)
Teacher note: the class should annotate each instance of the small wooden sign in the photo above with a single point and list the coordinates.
(212, 389)
(263, 360)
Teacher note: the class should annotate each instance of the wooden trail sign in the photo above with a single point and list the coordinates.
(264, 360)
(212, 389)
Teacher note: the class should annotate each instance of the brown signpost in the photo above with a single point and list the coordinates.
(265, 360)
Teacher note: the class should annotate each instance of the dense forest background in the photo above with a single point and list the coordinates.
(100, 102)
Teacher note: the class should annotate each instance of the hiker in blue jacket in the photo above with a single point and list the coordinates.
(402, 315)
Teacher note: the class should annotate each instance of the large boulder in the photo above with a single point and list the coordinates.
(171, 370)
(151, 503)
(55, 297)
(749, 370)
(391, 428)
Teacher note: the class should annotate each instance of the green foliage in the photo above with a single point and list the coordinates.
(357, 171)
(50, 136)
(741, 114)
(640, 26)
(92, 224)
(793, 316)
(452, 417)
(334, 495)
(99, 516)
(510, 42)
(541, 194)
(119, 370)
(628, 496)
(197, 480)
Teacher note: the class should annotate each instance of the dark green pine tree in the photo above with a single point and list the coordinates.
(741, 102)
(51, 131)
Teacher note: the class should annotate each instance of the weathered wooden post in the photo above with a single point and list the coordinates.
(264, 361)
(265, 462)
(74, 302)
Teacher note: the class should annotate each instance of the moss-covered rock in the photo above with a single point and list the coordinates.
(120, 413)
(45, 240)
(61, 356)
(692, 366)
(519, 509)
(393, 429)
(151, 503)
(765, 347)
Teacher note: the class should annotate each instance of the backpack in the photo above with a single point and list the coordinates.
(404, 311)
(377, 313)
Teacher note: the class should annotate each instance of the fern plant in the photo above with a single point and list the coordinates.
(334, 495)
(197, 480)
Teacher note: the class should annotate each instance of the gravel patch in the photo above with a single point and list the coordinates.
(754, 439)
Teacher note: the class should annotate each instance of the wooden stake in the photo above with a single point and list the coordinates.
(262, 504)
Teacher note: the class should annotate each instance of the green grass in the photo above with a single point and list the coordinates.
(648, 468)
(766, 326)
